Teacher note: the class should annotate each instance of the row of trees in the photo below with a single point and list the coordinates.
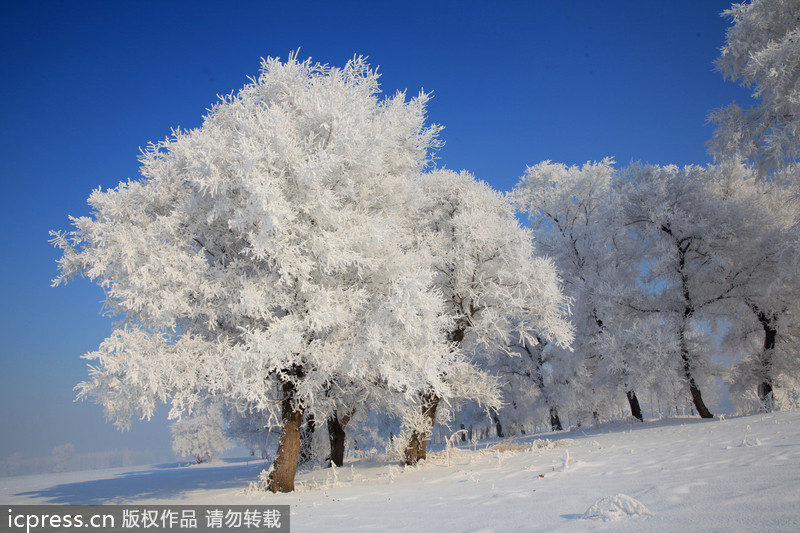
(660, 263)
(296, 261)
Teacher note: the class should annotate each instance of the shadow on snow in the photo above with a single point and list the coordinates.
(161, 482)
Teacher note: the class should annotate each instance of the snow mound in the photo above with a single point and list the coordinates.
(616, 508)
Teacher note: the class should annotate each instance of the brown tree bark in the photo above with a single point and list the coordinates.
(281, 479)
(417, 448)
(337, 436)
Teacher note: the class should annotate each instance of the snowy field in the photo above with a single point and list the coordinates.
(686, 474)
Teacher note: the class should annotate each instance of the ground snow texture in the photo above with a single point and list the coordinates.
(739, 474)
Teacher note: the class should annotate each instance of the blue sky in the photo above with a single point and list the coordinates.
(84, 84)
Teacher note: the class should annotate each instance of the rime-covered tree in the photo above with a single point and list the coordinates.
(762, 52)
(763, 321)
(200, 435)
(493, 284)
(533, 387)
(682, 231)
(267, 255)
(249, 429)
(568, 208)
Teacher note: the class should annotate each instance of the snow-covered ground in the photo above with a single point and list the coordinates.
(687, 474)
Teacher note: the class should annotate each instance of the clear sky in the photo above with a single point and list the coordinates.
(84, 84)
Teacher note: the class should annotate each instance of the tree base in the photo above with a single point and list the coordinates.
(702, 410)
(417, 449)
(337, 436)
(636, 409)
(281, 478)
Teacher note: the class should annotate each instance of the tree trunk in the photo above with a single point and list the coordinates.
(636, 409)
(417, 448)
(555, 421)
(337, 435)
(697, 397)
(682, 246)
(281, 479)
(770, 335)
(702, 410)
(497, 425)
(765, 395)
